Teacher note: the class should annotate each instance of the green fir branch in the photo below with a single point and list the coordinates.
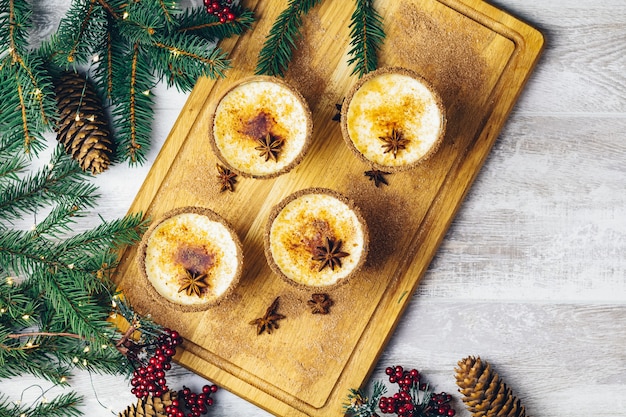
(208, 26)
(78, 35)
(64, 405)
(367, 35)
(61, 181)
(133, 112)
(183, 58)
(24, 83)
(104, 72)
(12, 161)
(358, 404)
(168, 9)
(280, 43)
(114, 234)
(141, 23)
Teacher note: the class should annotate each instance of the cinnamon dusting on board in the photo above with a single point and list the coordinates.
(443, 53)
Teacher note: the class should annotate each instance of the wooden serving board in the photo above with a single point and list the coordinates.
(477, 56)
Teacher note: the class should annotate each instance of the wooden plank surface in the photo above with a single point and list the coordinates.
(477, 57)
(532, 272)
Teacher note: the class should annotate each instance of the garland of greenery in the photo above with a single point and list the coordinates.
(127, 46)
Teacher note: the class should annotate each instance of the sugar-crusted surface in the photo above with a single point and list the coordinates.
(303, 225)
(190, 230)
(252, 110)
(394, 101)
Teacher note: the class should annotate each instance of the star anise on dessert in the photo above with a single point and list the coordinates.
(226, 178)
(269, 321)
(270, 147)
(394, 142)
(377, 176)
(320, 303)
(330, 254)
(194, 283)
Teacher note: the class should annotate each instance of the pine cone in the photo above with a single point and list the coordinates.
(149, 406)
(484, 393)
(82, 127)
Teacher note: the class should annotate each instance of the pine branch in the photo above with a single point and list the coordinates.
(61, 181)
(358, 404)
(103, 74)
(64, 405)
(278, 48)
(183, 58)
(367, 35)
(114, 235)
(23, 82)
(140, 23)
(78, 35)
(133, 112)
(208, 26)
(11, 162)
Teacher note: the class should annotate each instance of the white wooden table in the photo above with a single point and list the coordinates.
(532, 274)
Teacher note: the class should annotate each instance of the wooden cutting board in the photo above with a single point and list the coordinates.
(477, 56)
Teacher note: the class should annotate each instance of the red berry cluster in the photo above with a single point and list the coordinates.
(441, 403)
(195, 404)
(149, 379)
(222, 10)
(408, 402)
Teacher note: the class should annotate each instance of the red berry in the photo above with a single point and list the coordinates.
(451, 412)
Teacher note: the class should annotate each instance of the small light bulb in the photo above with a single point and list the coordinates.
(86, 349)
(74, 359)
(26, 316)
(77, 118)
(125, 15)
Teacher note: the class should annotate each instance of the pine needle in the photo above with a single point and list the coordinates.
(278, 48)
(367, 35)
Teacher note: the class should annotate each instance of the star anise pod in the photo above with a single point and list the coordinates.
(377, 176)
(269, 321)
(269, 147)
(226, 178)
(394, 142)
(320, 303)
(330, 254)
(194, 283)
(337, 116)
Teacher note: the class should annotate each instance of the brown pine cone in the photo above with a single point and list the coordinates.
(82, 127)
(484, 393)
(150, 406)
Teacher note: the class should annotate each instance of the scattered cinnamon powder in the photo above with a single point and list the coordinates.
(443, 49)
(310, 79)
